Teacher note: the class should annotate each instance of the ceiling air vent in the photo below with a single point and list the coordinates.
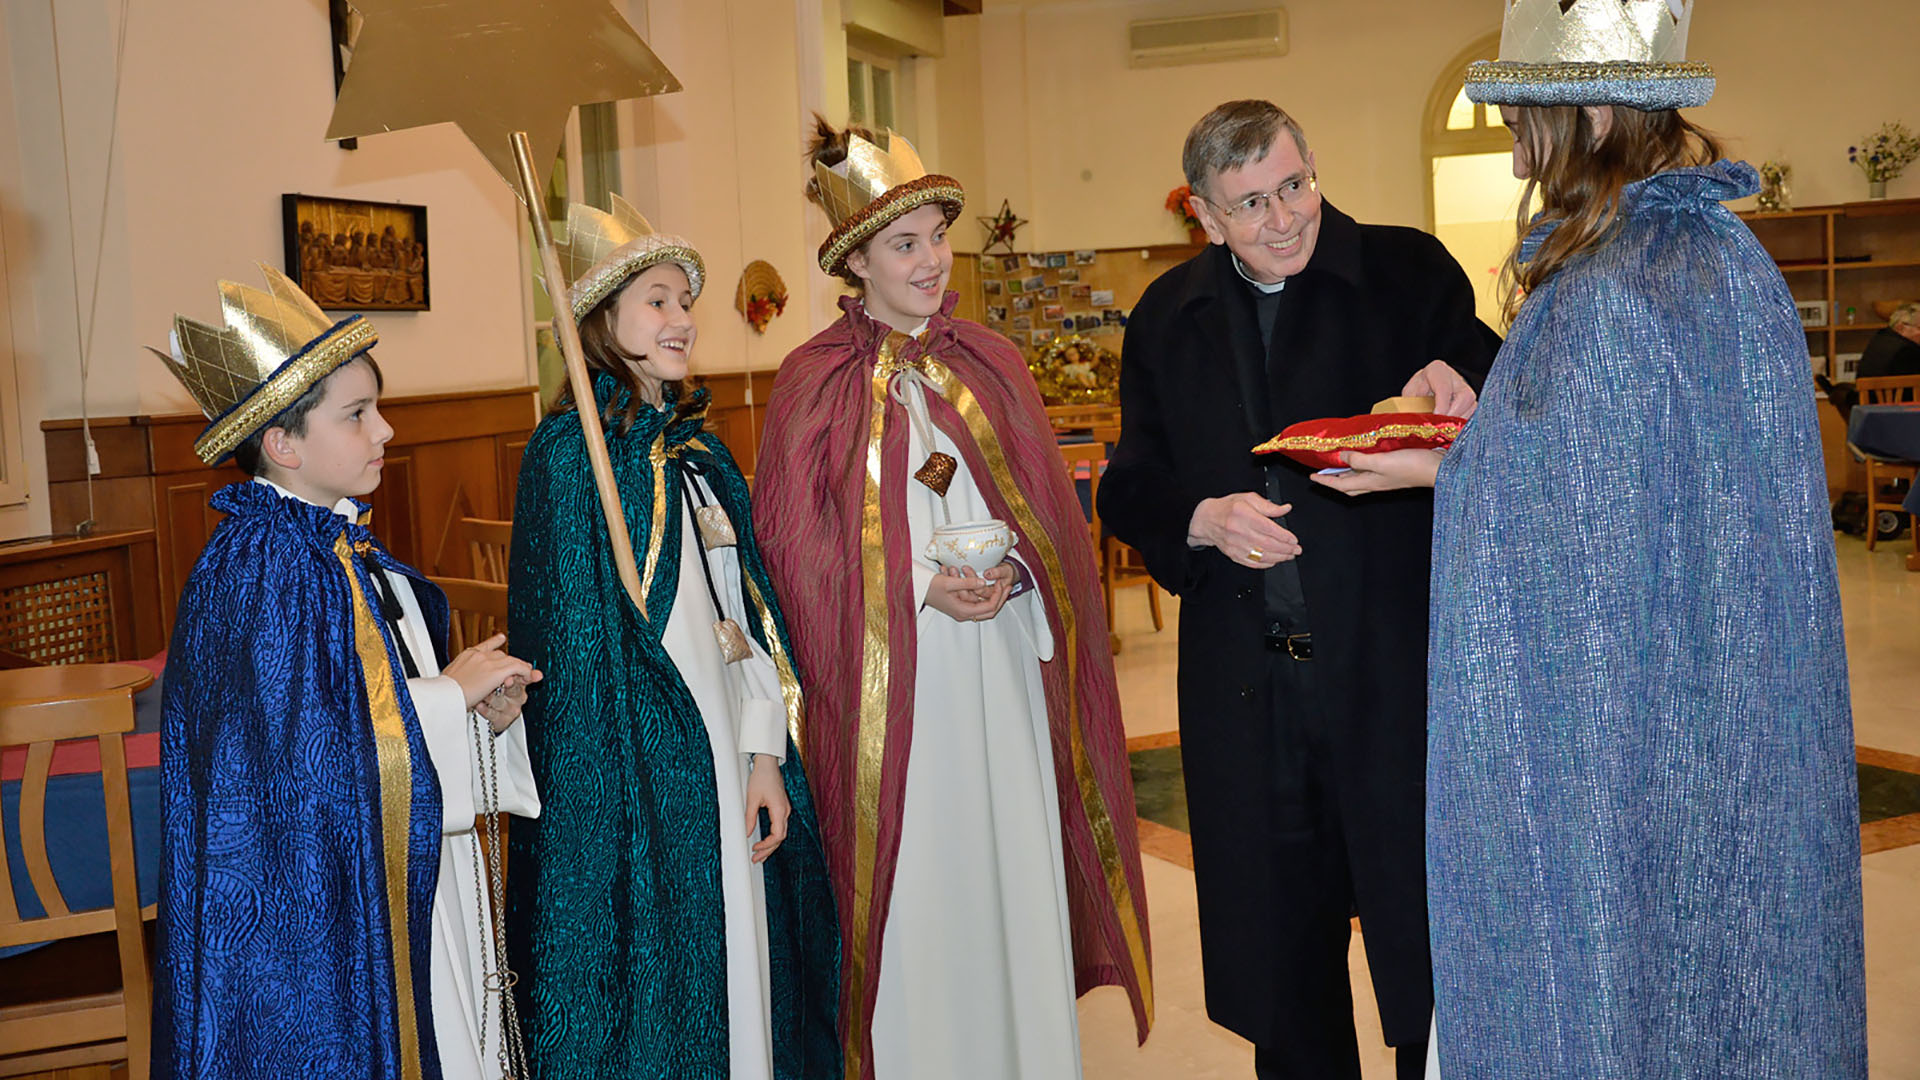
(1201, 39)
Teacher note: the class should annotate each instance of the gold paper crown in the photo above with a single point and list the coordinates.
(602, 250)
(1594, 52)
(872, 188)
(275, 346)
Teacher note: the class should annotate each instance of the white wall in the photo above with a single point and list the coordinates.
(1059, 101)
(222, 110)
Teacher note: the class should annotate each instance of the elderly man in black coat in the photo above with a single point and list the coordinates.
(1303, 619)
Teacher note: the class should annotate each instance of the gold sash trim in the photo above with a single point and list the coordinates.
(789, 678)
(395, 761)
(1099, 818)
(657, 530)
(874, 693)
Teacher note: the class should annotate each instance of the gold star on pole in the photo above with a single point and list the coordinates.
(493, 67)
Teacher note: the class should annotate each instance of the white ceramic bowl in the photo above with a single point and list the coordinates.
(981, 545)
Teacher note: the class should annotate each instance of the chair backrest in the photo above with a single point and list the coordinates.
(1091, 454)
(1890, 390)
(488, 543)
(479, 610)
(115, 1019)
(1080, 416)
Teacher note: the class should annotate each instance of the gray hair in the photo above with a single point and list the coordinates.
(1905, 315)
(1232, 135)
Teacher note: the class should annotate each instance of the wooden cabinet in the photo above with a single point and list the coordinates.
(452, 455)
(1848, 258)
(81, 600)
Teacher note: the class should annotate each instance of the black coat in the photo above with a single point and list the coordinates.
(1374, 305)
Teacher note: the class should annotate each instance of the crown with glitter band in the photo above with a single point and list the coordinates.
(873, 188)
(602, 250)
(1594, 52)
(275, 346)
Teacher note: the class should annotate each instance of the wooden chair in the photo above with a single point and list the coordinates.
(1119, 564)
(488, 544)
(1883, 474)
(1070, 417)
(479, 610)
(94, 1029)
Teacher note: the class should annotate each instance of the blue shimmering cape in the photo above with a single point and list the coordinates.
(615, 921)
(1643, 847)
(284, 706)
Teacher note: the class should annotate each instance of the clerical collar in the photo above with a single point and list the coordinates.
(346, 508)
(1241, 269)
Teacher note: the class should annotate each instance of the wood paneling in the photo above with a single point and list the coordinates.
(126, 560)
(449, 451)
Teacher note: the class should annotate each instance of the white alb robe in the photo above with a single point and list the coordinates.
(745, 715)
(976, 970)
(462, 948)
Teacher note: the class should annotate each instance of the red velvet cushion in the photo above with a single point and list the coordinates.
(1319, 443)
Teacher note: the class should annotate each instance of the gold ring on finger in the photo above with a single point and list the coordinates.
(1256, 554)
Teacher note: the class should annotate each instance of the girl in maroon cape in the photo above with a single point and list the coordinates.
(963, 732)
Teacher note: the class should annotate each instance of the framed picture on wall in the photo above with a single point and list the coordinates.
(1812, 312)
(357, 256)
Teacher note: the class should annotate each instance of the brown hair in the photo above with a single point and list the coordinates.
(1232, 135)
(250, 455)
(827, 145)
(1580, 174)
(603, 354)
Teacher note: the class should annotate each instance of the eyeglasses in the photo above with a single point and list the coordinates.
(1292, 194)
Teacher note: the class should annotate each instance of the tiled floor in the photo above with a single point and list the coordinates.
(1882, 603)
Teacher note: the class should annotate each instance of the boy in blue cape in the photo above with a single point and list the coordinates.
(315, 752)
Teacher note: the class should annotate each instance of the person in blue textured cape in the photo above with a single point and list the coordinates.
(1643, 850)
(670, 915)
(318, 764)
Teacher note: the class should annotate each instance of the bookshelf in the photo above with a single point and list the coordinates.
(1846, 256)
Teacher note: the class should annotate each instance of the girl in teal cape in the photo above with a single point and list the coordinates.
(652, 936)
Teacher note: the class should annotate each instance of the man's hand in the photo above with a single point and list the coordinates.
(1242, 527)
(1389, 471)
(1451, 394)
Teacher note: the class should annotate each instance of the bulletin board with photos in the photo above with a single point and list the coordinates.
(1034, 297)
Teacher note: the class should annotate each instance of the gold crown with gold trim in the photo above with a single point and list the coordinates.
(275, 346)
(873, 188)
(1594, 52)
(602, 250)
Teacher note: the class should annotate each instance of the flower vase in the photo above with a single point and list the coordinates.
(1876, 189)
(1196, 236)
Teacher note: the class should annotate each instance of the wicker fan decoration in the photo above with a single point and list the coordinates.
(761, 295)
(1072, 370)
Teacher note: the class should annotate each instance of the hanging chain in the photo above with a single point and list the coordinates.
(501, 979)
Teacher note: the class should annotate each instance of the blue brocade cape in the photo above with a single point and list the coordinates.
(615, 921)
(301, 811)
(1643, 849)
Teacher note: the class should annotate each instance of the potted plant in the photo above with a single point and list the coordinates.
(1179, 204)
(1883, 156)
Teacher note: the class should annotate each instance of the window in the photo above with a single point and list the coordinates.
(871, 98)
(588, 170)
(1472, 197)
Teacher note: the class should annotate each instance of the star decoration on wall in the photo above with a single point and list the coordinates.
(1000, 227)
(493, 67)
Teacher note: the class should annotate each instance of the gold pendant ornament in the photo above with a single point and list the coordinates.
(733, 641)
(716, 528)
(938, 472)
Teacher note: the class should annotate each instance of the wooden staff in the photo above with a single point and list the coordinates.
(568, 335)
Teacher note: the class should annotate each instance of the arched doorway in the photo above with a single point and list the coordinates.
(1472, 196)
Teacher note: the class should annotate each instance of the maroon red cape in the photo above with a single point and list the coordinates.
(829, 505)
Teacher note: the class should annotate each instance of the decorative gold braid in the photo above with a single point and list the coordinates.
(602, 280)
(885, 210)
(272, 397)
(1516, 73)
(1358, 440)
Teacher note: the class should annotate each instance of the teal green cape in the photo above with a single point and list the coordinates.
(614, 918)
